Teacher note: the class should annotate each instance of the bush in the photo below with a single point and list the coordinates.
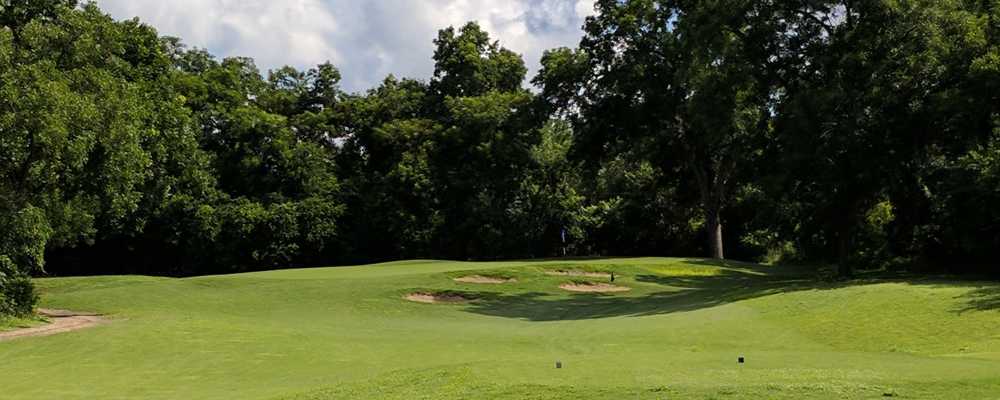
(18, 297)
(5, 307)
(17, 291)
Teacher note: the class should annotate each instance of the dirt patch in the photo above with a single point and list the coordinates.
(62, 321)
(594, 287)
(579, 273)
(52, 313)
(438, 298)
(484, 279)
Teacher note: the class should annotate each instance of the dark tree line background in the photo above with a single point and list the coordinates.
(860, 133)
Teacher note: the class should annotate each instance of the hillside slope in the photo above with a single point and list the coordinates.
(350, 333)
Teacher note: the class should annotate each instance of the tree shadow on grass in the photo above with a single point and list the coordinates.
(985, 298)
(656, 295)
(731, 281)
(983, 293)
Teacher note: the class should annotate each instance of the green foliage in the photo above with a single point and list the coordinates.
(442, 169)
(17, 291)
(861, 133)
(550, 199)
(469, 64)
(972, 194)
(799, 124)
(17, 296)
(77, 128)
(672, 77)
(16, 14)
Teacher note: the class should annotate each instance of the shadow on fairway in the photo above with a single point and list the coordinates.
(983, 294)
(739, 281)
(982, 299)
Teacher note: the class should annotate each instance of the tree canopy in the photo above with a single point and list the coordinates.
(861, 133)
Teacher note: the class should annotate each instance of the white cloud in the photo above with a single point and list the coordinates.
(366, 39)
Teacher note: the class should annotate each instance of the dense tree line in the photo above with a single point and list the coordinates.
(861, 133)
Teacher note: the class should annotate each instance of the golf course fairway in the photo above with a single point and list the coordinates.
(674, 330)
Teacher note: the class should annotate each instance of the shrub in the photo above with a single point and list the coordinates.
(17, 291)
(20, 296)
(6, 307)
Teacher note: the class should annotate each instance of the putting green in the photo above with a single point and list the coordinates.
(350, 333)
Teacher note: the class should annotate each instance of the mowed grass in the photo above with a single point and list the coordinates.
(348, 333)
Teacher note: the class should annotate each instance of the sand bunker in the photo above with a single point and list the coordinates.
(62, 321)
(579, 273)
(437, 298)
(593, 287)
(484, 279)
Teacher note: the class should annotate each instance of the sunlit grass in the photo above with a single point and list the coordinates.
(683, 270)
(336, 333)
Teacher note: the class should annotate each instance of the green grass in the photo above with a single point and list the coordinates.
(12, 323)
(336, 333)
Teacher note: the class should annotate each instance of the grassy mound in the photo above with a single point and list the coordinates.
(350, 333)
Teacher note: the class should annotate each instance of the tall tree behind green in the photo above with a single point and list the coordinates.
(552, 198)
(857, 113)
(483, 153)
(962, 177)
(675, 78)
(444, 163)
(248, 184)
(390, 204)
(274, 199)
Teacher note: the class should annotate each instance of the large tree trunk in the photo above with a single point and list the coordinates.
(712, 187)
(712, 196)
(714, 227)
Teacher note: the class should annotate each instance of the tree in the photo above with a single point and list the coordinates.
(679, 77)
(440, 165)
(76, 127)
(278, 193)
(17, 14)
(857, 111)
(468, 64)
(962, 225)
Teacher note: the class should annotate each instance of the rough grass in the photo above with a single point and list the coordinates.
(12, 323)
(348, 333)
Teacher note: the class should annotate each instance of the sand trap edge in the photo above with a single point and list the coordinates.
(438, 298)
(484, 279)
(561, 272)
(593, 287)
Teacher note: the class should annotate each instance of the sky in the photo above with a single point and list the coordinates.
(366, 39)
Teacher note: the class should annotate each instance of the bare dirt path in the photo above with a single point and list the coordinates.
(62, 321)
